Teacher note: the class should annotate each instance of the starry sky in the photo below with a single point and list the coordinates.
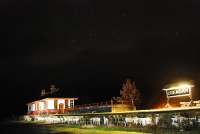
(88, 47)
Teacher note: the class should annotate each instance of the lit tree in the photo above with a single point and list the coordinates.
(129, 92)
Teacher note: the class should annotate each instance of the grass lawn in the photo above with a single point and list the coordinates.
(112, 130)
(96, 130)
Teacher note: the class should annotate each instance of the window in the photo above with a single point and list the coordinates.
(46, 105)
(66, 103)
(50, 104)
(71, 103)
(29, 108)
(37, 106)
(55, 104)
(33, 107)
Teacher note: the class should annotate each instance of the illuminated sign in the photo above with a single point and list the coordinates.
(183, 90)
(178, 92)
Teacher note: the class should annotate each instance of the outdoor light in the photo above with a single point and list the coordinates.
(181, 85)
(181, 90)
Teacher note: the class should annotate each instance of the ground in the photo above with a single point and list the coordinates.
(91, 131)
(105, 130)
(41, 128)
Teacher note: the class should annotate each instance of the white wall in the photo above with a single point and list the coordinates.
(61, 101)
(50, 104)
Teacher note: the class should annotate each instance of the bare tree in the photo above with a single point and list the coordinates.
(129, 92)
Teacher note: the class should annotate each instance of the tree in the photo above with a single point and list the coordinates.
(129, 92)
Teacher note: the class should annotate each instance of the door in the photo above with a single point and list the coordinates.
(61, 108)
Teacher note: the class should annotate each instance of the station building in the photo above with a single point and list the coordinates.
(51, 106)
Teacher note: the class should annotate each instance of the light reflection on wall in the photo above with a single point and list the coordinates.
(50, 104)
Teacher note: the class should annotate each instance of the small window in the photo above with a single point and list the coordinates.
(46, 105)
(55, 104)
(66, 103)
(37, 106)
(71, 103)
(29, 108)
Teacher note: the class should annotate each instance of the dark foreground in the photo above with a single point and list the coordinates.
(22, 128)
(33, 128)
(26, 128)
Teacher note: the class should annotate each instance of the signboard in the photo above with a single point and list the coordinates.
(178, 91)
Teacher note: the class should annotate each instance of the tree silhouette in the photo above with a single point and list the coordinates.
(129, 92)
(53, 90)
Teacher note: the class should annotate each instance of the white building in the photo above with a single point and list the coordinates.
(51, 106)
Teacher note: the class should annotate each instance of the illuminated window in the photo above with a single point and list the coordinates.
(37, 106)
(41, 105)
(46, 105)
(50, 104)
(29, 108)
(66, 103)
(55, 104)
(33, 108)
(71, 103)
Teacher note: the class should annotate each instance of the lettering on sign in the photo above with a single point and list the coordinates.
(175, 92)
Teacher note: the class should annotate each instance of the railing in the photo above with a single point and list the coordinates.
(107, 103)
(92, 108)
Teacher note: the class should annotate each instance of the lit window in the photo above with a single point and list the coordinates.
(56, 104)
(66, 103)
(50, 104)
(71, 103)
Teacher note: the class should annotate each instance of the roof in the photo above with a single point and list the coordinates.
(52, 98)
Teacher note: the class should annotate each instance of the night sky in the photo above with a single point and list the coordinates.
(88, 47)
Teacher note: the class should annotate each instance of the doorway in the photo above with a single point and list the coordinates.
(61, 108)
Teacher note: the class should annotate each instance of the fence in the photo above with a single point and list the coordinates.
(170, 119)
